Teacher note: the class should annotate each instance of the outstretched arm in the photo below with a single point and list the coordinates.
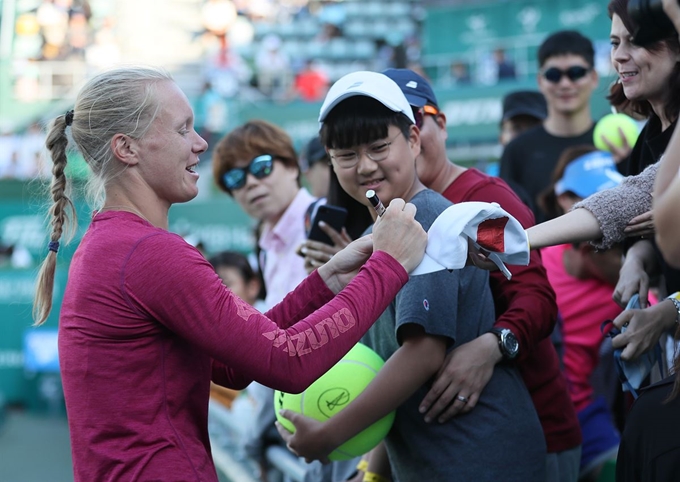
(573, 227)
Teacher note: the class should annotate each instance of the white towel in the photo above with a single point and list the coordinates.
(487, 225)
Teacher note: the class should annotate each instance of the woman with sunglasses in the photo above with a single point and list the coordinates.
(145, 321)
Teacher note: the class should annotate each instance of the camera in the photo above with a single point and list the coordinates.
(651, 21)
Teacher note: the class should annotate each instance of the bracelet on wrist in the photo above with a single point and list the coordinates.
(373, 477)
(362, 466)
(675, 298)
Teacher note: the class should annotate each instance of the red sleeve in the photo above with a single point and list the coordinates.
(526, 302)
(171, 283)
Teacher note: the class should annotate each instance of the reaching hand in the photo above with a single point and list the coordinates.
(643, 328)
(317, 254)
(308, 441)
(465, 372)
(632, 279)
(399, 234)
(478, 257)
(640, 226)
(618, 153)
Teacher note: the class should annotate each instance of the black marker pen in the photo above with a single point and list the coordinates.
(375, 202)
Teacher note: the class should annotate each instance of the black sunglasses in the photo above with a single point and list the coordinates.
(554, 75)
(260, 167)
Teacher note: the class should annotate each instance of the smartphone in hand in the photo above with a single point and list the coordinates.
(334, 216)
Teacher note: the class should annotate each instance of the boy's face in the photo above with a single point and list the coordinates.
(567, 96)
(393, 177)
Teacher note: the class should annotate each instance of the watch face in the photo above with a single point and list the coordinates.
(510, 344)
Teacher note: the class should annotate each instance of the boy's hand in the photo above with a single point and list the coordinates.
(309, 440)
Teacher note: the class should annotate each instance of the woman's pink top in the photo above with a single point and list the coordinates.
(146, 324)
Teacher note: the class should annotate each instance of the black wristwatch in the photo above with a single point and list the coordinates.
(507, 342)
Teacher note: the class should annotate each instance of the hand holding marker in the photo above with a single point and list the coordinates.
(375, 202)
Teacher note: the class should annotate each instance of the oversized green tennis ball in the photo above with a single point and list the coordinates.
(332, 392)
(609, 125)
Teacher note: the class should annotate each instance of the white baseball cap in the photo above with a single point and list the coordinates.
(487, 225)
(369, 84)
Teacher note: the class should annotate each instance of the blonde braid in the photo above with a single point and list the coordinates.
(62, 216)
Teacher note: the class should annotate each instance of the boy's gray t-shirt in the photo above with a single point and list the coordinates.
(501, 438)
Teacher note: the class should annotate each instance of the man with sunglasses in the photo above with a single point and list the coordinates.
(257, 165)
(567, 80)
(525, 306)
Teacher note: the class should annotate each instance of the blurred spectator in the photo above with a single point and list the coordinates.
(506, 68)
(315, 166)
(22, 154)
(226, 70)
(522, 110)
(273, 67)
(311, 82)
(328, 32)
(211, 115)
(332, 16)
(78, 34)
(458, 74)
(104, 51)
(53, 20)
(15, 256)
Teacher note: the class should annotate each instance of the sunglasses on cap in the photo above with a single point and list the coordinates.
(574, 73)
(260, 167)
(419, 113)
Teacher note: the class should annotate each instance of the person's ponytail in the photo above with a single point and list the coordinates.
(62, 216)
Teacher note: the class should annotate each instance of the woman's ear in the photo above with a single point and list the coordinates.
(124, 149)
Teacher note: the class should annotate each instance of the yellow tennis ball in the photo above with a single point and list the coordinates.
(609, 126)
(332, 392)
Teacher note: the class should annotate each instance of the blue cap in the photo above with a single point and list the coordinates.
(417, 90)
(588, 174)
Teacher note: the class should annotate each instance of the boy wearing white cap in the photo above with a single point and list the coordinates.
(525, 305)
(369, 130)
